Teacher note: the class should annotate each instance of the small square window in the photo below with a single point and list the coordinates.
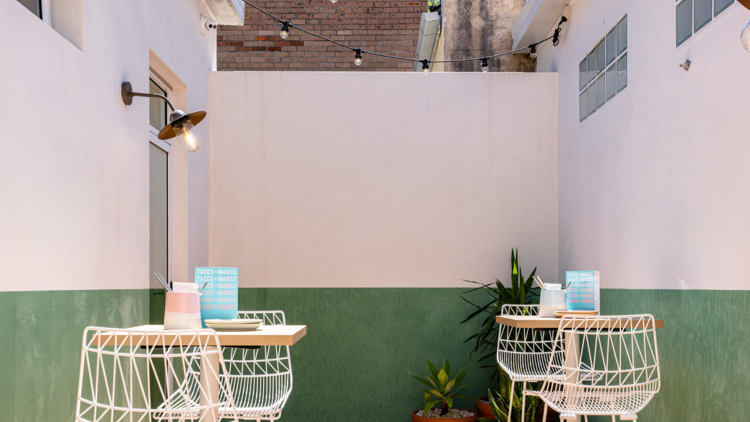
(592, 65)
(702, 13)
(684, 21)
(600, 57)
(622, 73)
(601, 96)
(582, 106)
(611, 81)
(611, 45)
(622, 35)
(592, 99)
(583, 78)
(721, 5)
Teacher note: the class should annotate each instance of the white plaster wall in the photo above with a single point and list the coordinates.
(654, 187)
(74, 160)
(382, 179)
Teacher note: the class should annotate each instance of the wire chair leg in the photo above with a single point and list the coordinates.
(523, 403)
(613, 418)
(544, 415)
(586, 418)
(510, 402)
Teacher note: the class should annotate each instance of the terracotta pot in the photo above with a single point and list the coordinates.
(484, 409)
(417, 418)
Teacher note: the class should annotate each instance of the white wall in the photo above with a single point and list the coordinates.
(382, 180)
(654, 187)
(74, 161)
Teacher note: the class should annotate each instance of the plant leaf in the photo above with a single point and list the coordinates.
(425, 382)
(449, 400)
(447, 367)
(442, 378)
(428, 406)
(433, 370)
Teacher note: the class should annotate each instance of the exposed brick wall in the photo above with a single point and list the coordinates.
(387, 27)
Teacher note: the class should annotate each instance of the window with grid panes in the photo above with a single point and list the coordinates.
(692, 15)
(604, 71)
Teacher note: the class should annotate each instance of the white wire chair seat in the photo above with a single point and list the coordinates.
(127, 375)
(612, 368)
(524, 353)
(261, 378)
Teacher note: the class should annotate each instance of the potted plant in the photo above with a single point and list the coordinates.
(440, 389)
(520, 293)
(495, 407)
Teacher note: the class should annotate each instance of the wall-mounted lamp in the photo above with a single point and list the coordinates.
(180, 125)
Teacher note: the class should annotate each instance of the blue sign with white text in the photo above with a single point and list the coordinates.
(219, 298)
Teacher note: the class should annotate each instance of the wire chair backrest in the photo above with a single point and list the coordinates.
(141, 375)
(261, 378)
(524, 353)
(611, 367)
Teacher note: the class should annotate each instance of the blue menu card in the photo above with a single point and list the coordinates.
(583, 290)
(219, 299)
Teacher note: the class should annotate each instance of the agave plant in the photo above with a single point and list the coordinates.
(499, 401)
(520, 293)
(441, 387)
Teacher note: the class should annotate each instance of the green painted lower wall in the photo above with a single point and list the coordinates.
(40, 346)
(363, 345)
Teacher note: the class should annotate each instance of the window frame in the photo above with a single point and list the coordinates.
(165, 146)
(693, 31)
(609, 67)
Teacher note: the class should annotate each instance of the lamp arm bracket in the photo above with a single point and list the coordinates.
(127, 95)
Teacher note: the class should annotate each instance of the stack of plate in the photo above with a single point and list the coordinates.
(560, 314)
(234, 324)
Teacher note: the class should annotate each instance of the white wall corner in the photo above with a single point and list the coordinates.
(535, 21)
(228, 12)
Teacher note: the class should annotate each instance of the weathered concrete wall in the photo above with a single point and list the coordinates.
(480, 28)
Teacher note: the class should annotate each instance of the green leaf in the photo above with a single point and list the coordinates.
(448, 386)
(428, 406)
(495, 408)
(460, 376)
(433, 370)
(449, 400)
(447, 367)
(427, 382)
(442, 378)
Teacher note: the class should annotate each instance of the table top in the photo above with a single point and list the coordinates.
(267, 335)
(539, 322)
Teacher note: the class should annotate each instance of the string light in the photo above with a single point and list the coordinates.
(285, 30)
(425, 63)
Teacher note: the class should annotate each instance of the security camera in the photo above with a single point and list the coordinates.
(209, 24)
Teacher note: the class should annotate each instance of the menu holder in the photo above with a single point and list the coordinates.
(219, 298)
(583, 291)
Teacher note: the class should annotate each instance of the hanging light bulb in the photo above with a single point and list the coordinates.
(533, 51)
(485, 66)
(425, 67)
(285, 30)
(187, 136)
(358, 57)
(745, 36)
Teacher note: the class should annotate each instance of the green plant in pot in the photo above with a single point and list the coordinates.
(499, 402)
(519, 293)
(439, 388)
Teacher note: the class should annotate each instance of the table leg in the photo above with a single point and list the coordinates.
(572, 357)
(210, 385)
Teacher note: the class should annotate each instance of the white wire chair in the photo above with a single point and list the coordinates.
(129, 375)
(612, 367)
(524, 353)
(261, 378)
